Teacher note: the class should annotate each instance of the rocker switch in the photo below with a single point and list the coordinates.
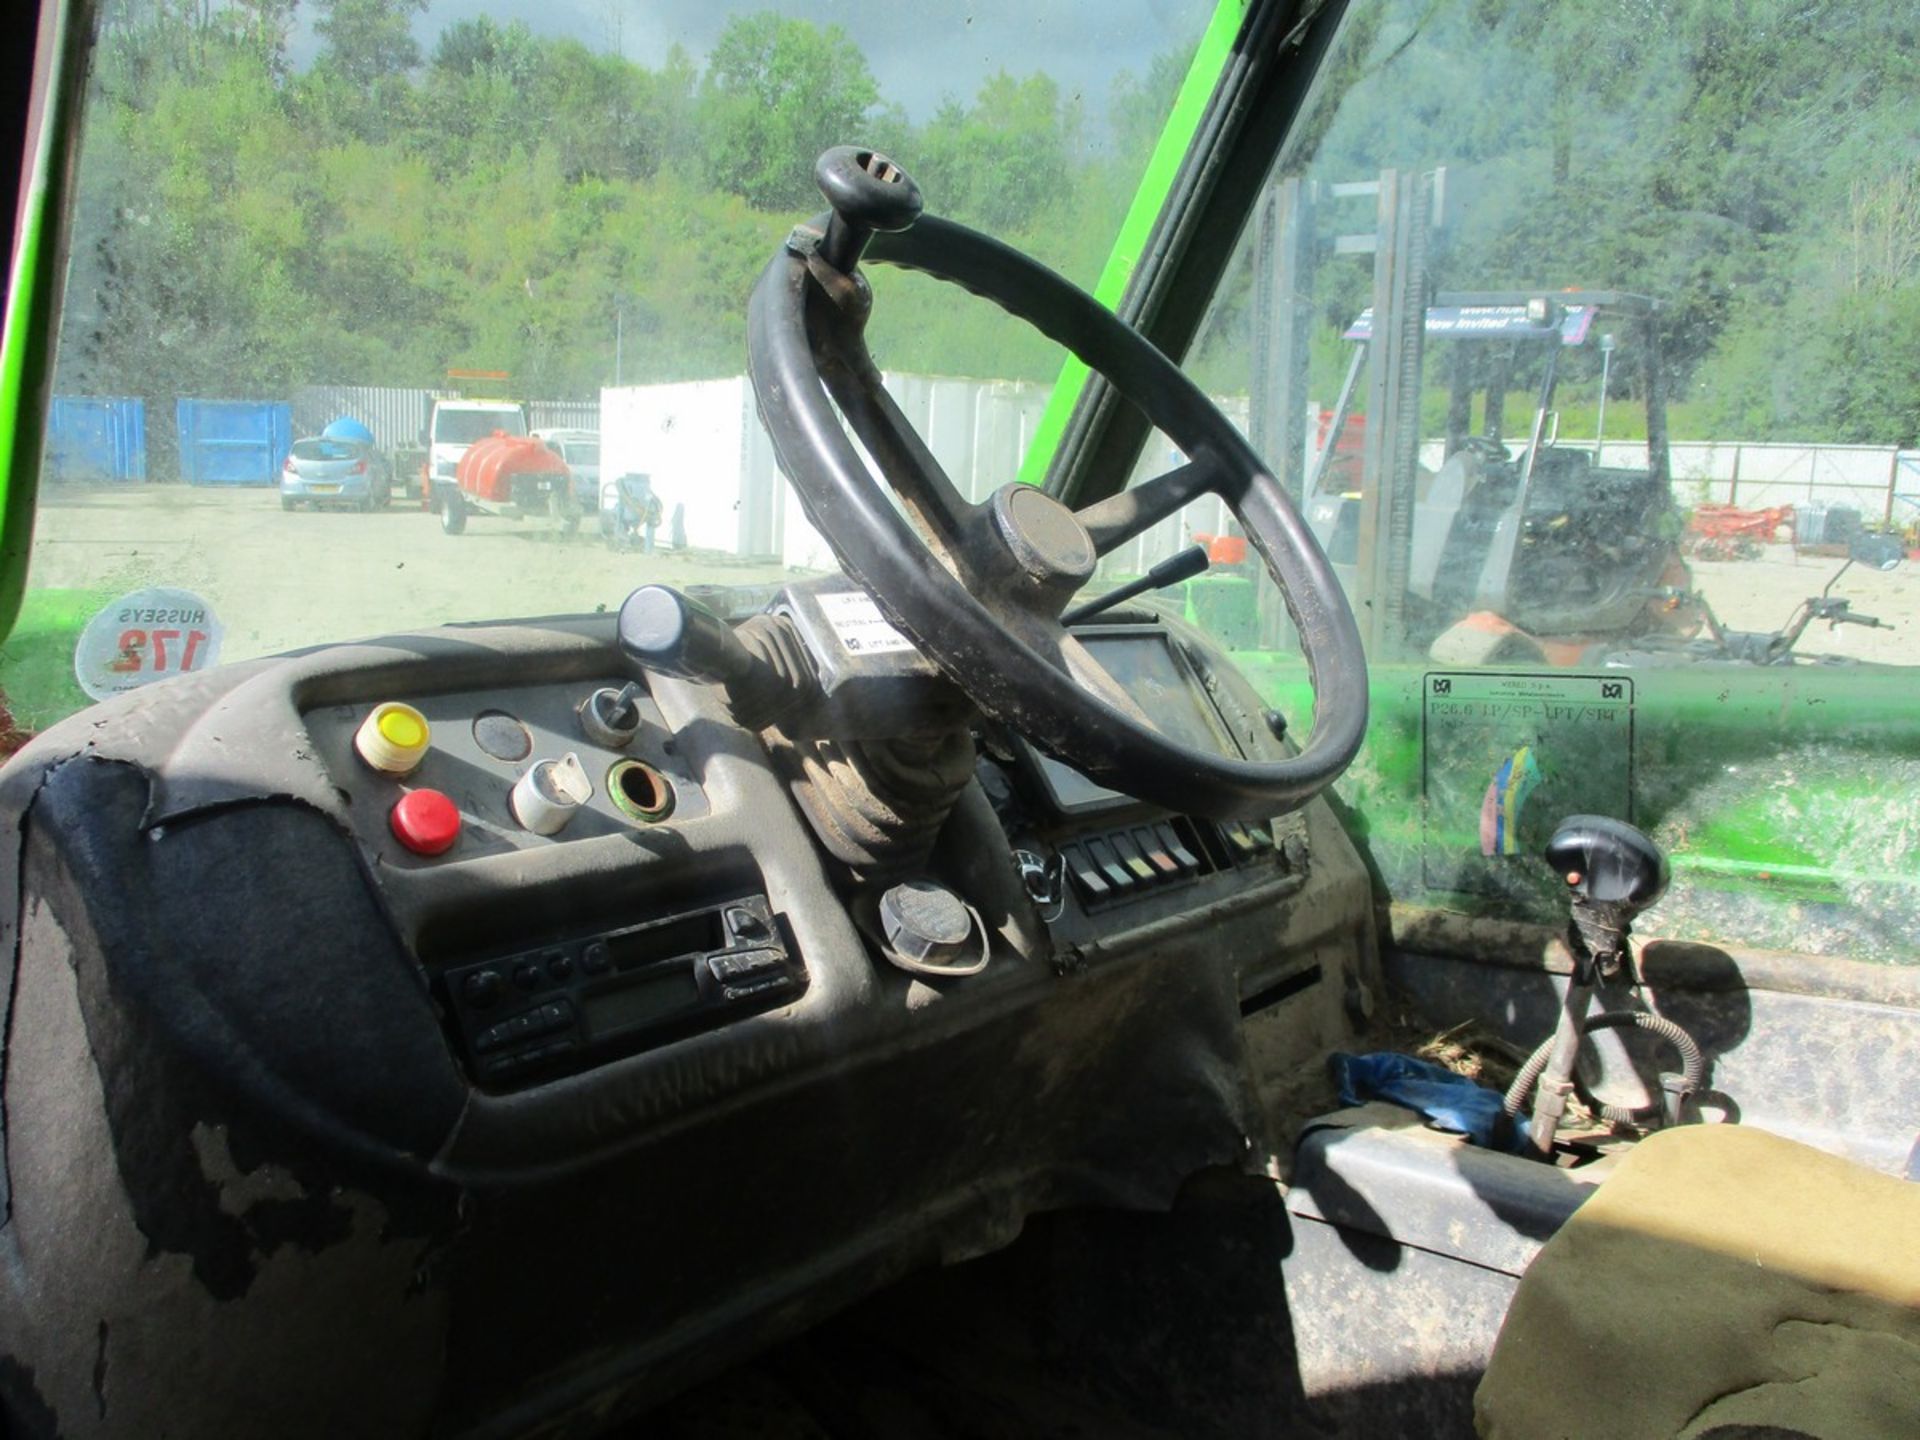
(1085, 874)
(1183, 857)
(1117, 874)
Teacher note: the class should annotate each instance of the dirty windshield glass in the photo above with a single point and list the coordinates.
(410, 224)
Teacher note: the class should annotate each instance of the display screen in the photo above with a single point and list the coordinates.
(641, 1000)
(1143, 664)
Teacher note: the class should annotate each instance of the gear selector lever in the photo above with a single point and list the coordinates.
(1612, 872)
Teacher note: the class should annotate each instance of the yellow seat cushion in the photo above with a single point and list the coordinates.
(1721, 1278)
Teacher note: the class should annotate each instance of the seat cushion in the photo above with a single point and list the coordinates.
(1722, 1278)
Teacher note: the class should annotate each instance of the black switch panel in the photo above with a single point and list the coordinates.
(1112, 866)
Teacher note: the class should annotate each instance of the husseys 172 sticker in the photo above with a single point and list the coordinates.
(149, 635)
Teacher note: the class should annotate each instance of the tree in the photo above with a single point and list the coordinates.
(369, 40)
(778, 92)
(1003, 163)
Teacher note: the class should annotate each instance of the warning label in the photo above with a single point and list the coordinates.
(860, 626)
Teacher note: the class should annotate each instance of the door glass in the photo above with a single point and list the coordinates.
(1588, 340)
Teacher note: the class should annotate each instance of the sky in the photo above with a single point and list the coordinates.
(921, 51)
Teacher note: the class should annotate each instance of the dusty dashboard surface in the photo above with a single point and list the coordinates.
(552, 1055)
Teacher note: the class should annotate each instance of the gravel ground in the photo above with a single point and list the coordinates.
(1761, 594)
(280, 580)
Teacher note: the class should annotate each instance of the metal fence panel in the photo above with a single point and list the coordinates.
(397, 415)
(689, 440)
(233, 442)
(96, 438)
(563, 414)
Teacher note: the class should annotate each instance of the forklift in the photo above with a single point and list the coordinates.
(1534, 550)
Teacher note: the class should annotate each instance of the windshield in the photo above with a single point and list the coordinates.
(289, 216)
(325, 450)
(463, 427)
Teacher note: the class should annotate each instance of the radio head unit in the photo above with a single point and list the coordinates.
(526, 1016)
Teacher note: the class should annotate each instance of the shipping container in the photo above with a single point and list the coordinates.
(93, 437)
(233, 442)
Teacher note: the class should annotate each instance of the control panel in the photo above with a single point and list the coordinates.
(1121, 862)
(1120, 852)
(437, 779)
(525, 1016)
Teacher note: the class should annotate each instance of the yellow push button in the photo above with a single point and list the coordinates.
(393, 739)
(402, 728)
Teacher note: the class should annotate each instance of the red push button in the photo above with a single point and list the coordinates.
(426, 822)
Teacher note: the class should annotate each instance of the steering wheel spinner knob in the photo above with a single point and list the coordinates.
(868, 193)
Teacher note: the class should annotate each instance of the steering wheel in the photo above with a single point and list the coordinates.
(1487, 448)
(981, 587)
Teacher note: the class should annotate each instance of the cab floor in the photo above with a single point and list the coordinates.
(1092, 1324)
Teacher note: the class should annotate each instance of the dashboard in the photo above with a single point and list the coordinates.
(586, 1055)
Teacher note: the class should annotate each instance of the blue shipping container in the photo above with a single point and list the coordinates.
(234, 442)
(94, 438)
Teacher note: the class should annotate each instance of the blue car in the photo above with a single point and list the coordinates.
(325, 471)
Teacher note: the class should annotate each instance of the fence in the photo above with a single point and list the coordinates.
(1757, 474)
(702, 445)
(397, 415)
(979, 429)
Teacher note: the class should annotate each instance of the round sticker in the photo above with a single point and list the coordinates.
(149, 635)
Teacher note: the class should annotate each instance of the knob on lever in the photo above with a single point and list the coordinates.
(868, 192)
(1613, 872)
(672, 635)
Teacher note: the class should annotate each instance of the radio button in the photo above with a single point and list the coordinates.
(482, 989)
(738, 965)
(746, 988)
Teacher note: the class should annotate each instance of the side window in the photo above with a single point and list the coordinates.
(1597, 375)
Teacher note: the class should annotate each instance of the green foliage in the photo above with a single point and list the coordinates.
(1730, 158)
(1006, 160)
(777, 92)
(508, 203)
(368, 41)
